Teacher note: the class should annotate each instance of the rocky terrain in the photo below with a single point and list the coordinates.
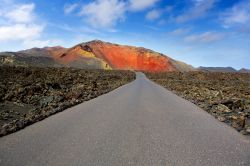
(224, 95)
(28, 95)
(95, 55)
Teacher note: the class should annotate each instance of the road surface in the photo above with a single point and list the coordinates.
(139, 124)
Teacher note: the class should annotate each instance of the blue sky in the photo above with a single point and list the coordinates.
(198, 32)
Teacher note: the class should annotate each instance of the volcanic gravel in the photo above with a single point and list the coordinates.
(28, 95)
(226, 96)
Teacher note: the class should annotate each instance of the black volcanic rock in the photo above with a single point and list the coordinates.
(226, 96)
(30, 94)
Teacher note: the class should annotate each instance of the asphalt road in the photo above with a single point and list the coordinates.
(139, 124)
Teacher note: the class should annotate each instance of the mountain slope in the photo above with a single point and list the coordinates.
(22, 59)
(217, 69)
(77, 57)
(223, 69)
(128, 58)
(101, 55)
(243, 70)
(181, 66)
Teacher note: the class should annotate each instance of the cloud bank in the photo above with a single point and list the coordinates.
(107, 13)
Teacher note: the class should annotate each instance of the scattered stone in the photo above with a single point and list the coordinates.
(221, 118)
(224, 95)
(20, 124)
(248, 130)
(222, 108)
(244, 132)
(234, 117)
(28, 95)
(46, 100)
(247, 122)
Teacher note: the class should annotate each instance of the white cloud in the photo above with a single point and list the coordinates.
(152, 27)
(74, 29)
(104, 13)
(19, 32)
(162, 22)
(239, 14)
(137, 5)
(69, 8)
(6, 2)
(198, 2)
(154, 14)
(41, 43)
(180, 31)
(21, 14)
(19, 24)
(205, 37)
(169, 8)
(199, 9)
(107, 13)
(35, 43)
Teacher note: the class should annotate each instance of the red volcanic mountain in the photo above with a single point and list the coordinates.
(103, 55)
(127, 57)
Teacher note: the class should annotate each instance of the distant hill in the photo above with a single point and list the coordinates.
(95, 55)
(217, 69)
(223, 69)
(21, 59)
(243, 70)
